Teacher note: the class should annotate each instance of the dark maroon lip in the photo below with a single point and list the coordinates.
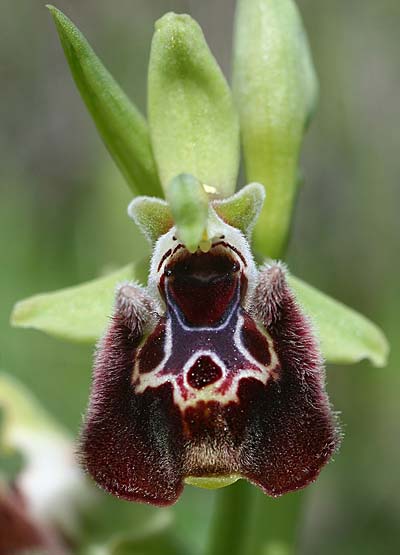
(141, 439)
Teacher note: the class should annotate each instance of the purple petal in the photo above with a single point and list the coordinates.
(292, 431)
(131, 444)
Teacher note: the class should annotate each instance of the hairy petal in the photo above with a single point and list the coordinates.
(131, 443)
(292, 430)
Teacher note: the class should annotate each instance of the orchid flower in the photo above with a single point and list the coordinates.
(212, 367)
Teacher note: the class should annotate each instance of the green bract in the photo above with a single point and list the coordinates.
(121, 126)
(275, 89)
(194, 126)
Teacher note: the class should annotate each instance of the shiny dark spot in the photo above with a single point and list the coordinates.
(204, 372)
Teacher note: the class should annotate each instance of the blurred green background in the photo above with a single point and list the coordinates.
(63, 220)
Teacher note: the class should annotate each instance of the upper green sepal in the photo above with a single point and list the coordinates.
(189, 206)
(193, 122)
(152, 215)
(275, 89)
(242, 209)
(120, 124)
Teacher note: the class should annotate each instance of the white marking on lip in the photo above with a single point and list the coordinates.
(198, 354)
(214, 391)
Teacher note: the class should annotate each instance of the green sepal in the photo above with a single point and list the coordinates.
(193, 122)
(275, 89)
(81, 313)
(120, 124)
(78, 313)
(346, 336)
(189, 206)
(242, 209)
(152, 216)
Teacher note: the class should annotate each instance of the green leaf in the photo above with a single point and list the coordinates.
(346, 336)
(152, 216)
(242, 210)
(189, 205)
(275, 89)
(78, 313)
(121, 126)
(193, 123)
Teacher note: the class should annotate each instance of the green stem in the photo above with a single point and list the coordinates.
(275, 522)
(247, 522)
(232, 517)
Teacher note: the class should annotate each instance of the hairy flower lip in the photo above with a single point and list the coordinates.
(211, 370)
(267, 419)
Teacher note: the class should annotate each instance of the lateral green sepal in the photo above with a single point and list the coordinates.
(346, 336)
(79, 313)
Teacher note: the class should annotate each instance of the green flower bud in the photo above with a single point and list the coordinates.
(275, 89)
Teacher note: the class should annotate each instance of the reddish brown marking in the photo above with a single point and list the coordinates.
(234, 249)
(204, 372)
(166, 255)
(180, 246)
(255, 342)
(153, 350)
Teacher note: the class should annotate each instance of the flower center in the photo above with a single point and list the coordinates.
(202, 286)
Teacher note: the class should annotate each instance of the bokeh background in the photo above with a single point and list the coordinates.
(63, 220)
